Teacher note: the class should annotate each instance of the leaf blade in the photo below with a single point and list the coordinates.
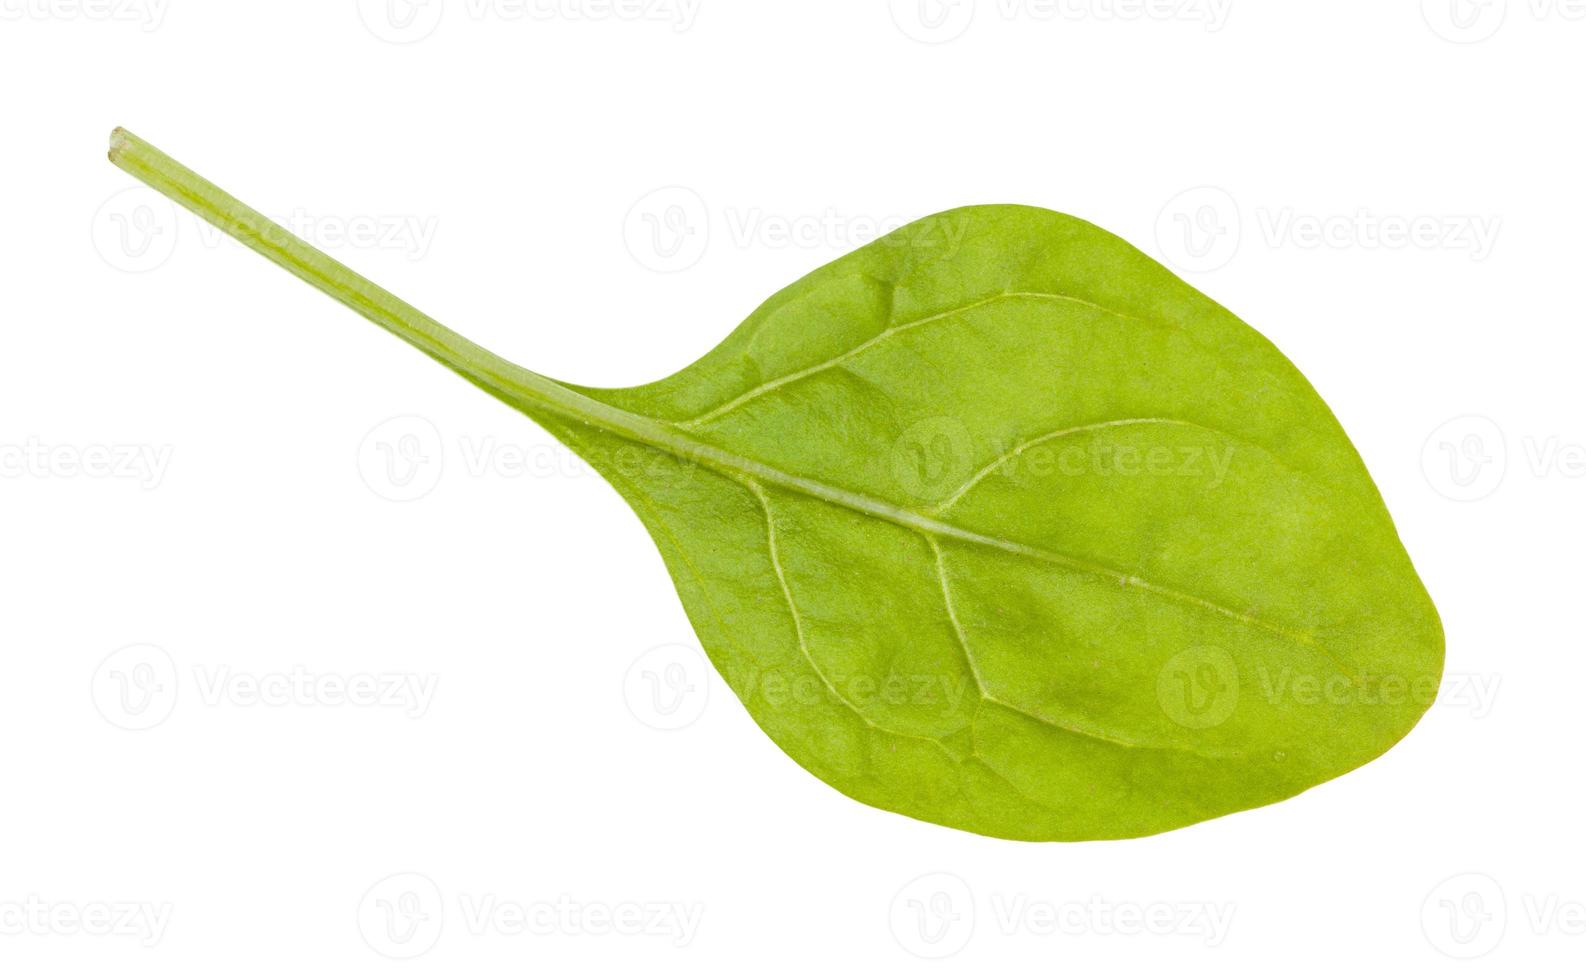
(1292, 477)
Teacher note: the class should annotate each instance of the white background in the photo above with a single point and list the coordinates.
(198, 465)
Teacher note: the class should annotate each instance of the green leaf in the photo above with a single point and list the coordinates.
(998, 524)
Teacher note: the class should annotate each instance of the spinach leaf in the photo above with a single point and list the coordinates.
(1008, 528)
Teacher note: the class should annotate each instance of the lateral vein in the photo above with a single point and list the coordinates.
(787, 379)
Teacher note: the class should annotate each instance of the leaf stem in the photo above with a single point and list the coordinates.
(490, 371)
